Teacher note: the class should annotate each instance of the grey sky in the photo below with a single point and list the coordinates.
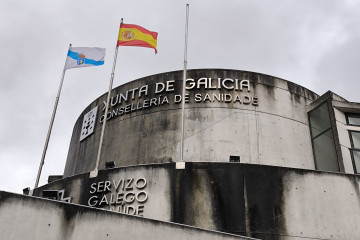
(314, 43)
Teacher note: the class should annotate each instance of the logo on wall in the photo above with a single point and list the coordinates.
(88, 124)
(61, 196)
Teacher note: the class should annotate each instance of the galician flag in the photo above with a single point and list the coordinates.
(84, 57)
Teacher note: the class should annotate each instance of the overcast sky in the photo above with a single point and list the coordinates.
(314, 43)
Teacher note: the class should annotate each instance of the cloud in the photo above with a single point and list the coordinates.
(312, 43)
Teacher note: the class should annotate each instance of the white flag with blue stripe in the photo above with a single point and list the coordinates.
(84, 57)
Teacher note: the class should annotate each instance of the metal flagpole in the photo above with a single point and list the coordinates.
(50, 128)
(184, 85)
(94, 173)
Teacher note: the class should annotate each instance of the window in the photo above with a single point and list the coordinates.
(353, 119)
(355, 141)
(322, 139)
(355, 154)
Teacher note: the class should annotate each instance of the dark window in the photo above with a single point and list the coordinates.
(355, 150)
(322, 139)
(234, 158)
(353, 119)
(355, 138)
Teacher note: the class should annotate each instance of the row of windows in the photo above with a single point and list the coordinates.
(322, 139)
(354, 120)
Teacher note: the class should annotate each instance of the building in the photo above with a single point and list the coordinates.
(264, 158)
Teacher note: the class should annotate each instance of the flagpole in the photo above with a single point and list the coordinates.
(184, 86)
(50, 128)
(94, 173)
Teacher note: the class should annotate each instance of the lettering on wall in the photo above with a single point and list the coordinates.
(202, 90)
(125, 195)
(123, 103)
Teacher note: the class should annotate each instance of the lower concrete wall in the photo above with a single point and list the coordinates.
(257, 201)
(23, 217)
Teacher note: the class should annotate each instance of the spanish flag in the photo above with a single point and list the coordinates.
(134, 35)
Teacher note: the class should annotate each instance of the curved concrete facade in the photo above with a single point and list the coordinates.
(262, 119)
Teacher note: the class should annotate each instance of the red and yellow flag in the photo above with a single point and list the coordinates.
(134, 35)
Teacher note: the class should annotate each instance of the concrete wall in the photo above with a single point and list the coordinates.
(30, 218)
(258, 201)
(271, 129)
